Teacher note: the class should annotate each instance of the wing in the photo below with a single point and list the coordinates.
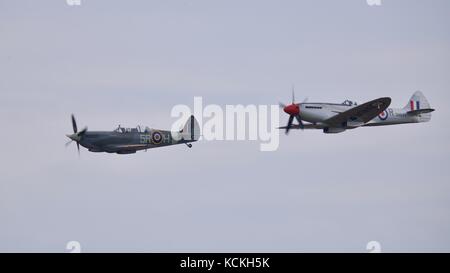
(361, 113)
(125, 147)
(305, 126)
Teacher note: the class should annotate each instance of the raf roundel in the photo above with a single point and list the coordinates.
(156, 138)
(383, 115)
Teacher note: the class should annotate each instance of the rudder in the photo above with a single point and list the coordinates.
(419, 107)
(417, 102)
(191, 129)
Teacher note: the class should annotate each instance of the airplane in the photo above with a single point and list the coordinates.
(335, 118)
(130, 140)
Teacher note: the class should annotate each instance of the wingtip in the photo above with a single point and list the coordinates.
(388, 99)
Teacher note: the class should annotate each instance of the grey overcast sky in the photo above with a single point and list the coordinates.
(128, 62)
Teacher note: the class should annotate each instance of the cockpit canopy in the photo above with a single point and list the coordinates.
(130, 130)
(350, 103)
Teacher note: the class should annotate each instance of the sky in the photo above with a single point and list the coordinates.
(129, 62)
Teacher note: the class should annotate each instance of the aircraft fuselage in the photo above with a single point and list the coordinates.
(317, 113)
(127, 142)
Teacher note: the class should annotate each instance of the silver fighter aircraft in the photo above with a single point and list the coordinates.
(130, 140)
(335, 118)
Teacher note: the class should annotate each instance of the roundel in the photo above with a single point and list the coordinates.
(156, 138)
(383, 115)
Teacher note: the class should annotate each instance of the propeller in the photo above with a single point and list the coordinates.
(293, 110)
(76, 136)
(74, 124)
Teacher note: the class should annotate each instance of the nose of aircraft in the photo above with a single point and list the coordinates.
(292, 109)
(73, 137)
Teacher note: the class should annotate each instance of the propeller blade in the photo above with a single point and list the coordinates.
(282, 105)
(293, 94)
(300, 122)
(74, 124)
(289, 125)
(80, 133)
(76, 136)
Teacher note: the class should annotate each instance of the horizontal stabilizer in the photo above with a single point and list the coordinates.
(419, 112)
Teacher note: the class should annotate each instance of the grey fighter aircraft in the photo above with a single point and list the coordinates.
(130, 140)
(335, 118)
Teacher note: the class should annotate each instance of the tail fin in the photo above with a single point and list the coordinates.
(417, 102)
(191, 130)
(419, 106)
